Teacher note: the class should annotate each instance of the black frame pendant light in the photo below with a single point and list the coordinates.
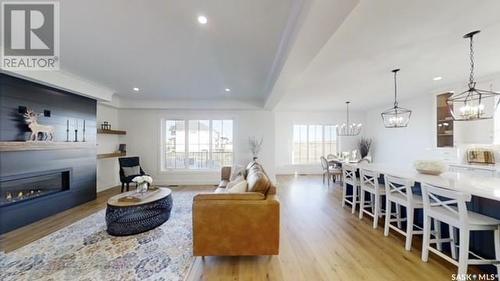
(347, 129)
(470, 104)
(396, 117)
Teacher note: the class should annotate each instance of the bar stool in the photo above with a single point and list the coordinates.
(399, 191)
(351, 179)
(369, 183)
(449, 207)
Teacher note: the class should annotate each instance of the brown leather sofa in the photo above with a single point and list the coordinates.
(238, 224)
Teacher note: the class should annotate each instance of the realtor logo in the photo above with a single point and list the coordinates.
(30, 36)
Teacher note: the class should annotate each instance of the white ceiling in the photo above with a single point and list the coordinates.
(279, 54)
(422, 37)
(159, 47)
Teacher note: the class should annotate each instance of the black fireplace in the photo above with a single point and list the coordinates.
(38, 183)
(20, 188)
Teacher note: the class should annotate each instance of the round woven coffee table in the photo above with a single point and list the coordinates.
(127, 218)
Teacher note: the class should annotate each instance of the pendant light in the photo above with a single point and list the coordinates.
(396, 117)
(472, 104)
(347, 129)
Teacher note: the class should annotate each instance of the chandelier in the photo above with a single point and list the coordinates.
(347, 129)
(396, 117)
(470, 105)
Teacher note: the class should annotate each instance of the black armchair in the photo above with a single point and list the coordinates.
(129, 162)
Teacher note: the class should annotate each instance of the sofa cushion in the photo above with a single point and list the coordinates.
(220, 190)
(235, 181)
(258, 182)
(229, 196)
(250, 165)
(239, 187)
(236, 171)
(223, 183)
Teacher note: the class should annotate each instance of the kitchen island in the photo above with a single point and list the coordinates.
(484, 191)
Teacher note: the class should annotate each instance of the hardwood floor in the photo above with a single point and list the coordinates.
(25, 235)
(322, 241)
(319, 241)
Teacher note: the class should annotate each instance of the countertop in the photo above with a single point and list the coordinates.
(489, 167)
(482, 186)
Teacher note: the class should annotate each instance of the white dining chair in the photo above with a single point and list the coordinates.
(369, 183)
(398, 191)
(350, 178)
(450, 207)
(326, 169)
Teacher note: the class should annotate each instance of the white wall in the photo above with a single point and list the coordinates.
(402, 145)
(107, 169)
(284, 122)
(143, 139)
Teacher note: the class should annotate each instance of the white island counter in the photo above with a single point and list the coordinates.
(481, 186)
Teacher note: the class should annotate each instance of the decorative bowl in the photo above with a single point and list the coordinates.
(430, 167)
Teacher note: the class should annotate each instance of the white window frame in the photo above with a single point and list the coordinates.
(323, 126)
(162, 161)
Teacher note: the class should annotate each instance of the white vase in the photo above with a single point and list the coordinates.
(142, 187)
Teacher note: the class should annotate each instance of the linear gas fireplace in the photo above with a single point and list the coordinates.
(20, 188)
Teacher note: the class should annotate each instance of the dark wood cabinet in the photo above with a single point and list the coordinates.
(444, 121)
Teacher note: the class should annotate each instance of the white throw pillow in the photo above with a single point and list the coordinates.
(238, 187)
(236, 171)
(131, 171)
(234, 182)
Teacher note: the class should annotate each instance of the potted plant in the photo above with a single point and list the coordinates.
(255, 146)
(364, 146)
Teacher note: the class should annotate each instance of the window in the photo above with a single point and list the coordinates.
(222, 142)
(329, 140)
(310, 142)
(198, 144)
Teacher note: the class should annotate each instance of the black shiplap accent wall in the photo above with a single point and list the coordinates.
(15, 92)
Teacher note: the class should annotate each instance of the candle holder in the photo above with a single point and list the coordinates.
(67, 130)
(76, 131)
(83, 140)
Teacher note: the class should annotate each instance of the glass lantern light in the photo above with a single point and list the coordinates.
(396, 117)
(471, 104)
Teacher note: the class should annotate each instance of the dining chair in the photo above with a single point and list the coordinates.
(326, 169)
(369, 183)
(336, 172)
(449, 206)
(350, 178)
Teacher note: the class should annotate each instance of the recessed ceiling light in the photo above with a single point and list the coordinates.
(136, 89)
(202, 19)
(437, 78)
(227, 90)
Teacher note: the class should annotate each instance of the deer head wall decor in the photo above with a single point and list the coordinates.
(47, 132)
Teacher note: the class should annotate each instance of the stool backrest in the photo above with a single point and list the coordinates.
(368, 178)
(349, 174)
(450, 201)
(398, 186)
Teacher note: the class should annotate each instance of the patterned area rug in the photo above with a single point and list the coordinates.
(85, 251)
